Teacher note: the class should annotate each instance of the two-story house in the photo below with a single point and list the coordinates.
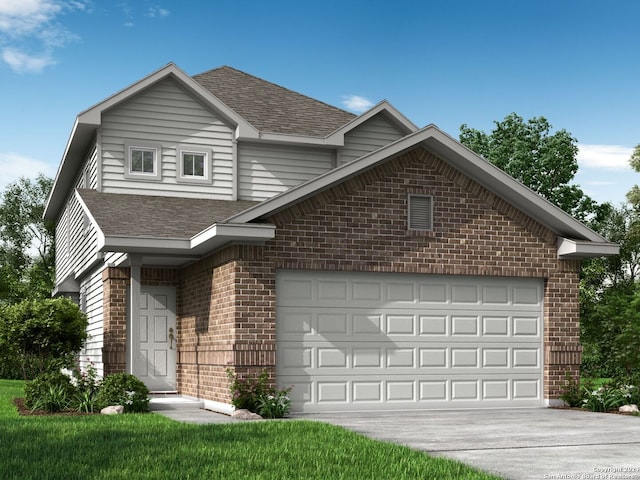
(222, 222)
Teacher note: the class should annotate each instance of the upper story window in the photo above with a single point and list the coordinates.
(194, 165)
(420, 214)
(142, 161)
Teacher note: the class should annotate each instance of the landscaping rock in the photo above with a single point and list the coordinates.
(243, 414)
(633, 408)
(112, 410)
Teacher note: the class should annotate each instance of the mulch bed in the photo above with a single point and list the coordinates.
(585, 410)
(23, 410)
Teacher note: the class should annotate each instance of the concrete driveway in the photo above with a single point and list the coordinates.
(517, 444)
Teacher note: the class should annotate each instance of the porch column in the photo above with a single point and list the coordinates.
(133, 325)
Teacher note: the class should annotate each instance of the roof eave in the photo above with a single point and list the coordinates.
(576, 249)
(205, 242)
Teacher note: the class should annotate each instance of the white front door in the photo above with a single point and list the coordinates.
(155, 350)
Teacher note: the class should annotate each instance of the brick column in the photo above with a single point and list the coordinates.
(562, 349)
(115, 281)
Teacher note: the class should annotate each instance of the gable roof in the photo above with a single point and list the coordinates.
(271, 108)
(575, 240)
(257, 109)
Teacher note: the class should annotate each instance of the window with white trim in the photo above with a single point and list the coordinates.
(142, 161)
(420, 212)
(194, 165)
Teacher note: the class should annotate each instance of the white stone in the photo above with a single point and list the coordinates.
(112, 410)
(243, 414)
(633, 408)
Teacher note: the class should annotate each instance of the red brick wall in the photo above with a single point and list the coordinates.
(226, 302)
(115, 282)
(226, 321)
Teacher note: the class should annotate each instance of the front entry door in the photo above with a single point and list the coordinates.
(155, 358)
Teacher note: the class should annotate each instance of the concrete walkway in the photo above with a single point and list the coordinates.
(516, 444)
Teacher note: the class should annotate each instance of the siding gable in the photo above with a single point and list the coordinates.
(266, 170)
(367, 137)
(167, 115)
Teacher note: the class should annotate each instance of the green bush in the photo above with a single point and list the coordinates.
(40, 335)
(50, 391)
(123, 389)
(258, 396)
(572, 393)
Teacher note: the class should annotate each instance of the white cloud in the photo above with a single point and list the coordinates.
(14, 165)
(154, 12)
(21, 62)
(31, 25)
(356, 103)
(612, 157)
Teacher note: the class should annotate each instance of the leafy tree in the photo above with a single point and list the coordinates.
(610, 293)
(634, 195)
(610, 331)
(26, 241)
(530, 153)
(37, 335)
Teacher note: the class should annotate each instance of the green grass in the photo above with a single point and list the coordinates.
(139, 446)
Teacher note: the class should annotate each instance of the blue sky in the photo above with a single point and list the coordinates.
(454, 62)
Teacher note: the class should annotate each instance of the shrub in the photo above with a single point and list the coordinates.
(123, 389)
(572, 394)
(40, 335)
(605, 398)
(51, 391)
(258, 396)
(274, 405)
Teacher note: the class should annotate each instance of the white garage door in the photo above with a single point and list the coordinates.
(362, 341)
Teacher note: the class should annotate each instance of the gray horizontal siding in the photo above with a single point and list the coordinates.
(266, 170)
(165, 114)
(371, 135)
(76, 241)
(92, 291)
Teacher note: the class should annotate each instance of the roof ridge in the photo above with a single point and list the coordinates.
(272, 108)
(255, 77)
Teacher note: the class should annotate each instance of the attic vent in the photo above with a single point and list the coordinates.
(420, 212)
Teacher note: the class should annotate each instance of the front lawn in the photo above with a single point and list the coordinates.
(146, 446)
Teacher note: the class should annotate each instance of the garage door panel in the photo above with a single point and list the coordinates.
(410, 393)
(358, 341)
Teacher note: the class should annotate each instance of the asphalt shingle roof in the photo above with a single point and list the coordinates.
(272, 108)
(155, 216)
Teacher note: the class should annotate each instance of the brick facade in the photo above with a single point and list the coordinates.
(226, 302)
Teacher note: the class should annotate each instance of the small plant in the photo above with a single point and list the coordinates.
(123, 389)
(275, 405)
(52, 392)
(257, 395)
(87, 388)
(605, 398)
(572, 394)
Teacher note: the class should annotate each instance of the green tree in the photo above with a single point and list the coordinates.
(610, 293)
(634, 194)
(544, 161)
(26, 241)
